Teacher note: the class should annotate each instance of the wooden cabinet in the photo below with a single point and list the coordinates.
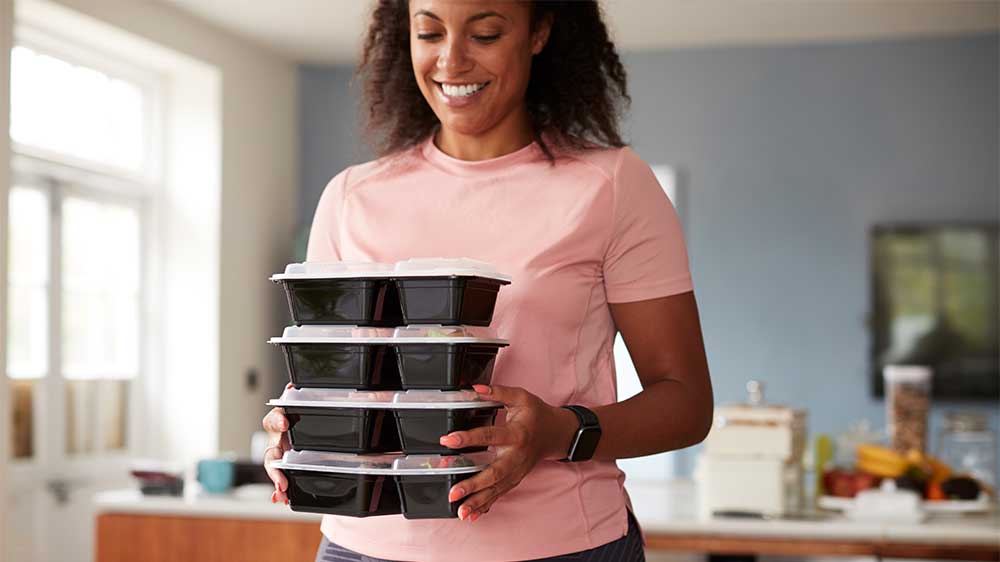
(129, 537)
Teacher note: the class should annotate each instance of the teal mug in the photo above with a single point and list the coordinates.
(216, 475)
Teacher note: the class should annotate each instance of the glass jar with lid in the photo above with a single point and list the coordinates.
(907, 393)
(968, 445)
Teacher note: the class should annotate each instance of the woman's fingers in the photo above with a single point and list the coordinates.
(275, 421)
(276, 425)
(493, 478)
(481, 501)
(276, 448)
(506, 395)
(488, 436)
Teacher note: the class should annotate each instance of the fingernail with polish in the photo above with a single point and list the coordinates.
(456, 494)
(481, 388)
(474, 516)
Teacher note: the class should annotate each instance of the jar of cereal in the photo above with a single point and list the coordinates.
(907, 400)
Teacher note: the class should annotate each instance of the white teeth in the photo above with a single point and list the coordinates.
(460, 91)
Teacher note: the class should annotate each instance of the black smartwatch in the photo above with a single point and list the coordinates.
(587, 436)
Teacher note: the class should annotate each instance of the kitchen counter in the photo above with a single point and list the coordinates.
(255, 505)
(667, 512)
(671, 507)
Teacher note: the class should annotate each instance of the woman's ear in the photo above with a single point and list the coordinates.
(540, 36)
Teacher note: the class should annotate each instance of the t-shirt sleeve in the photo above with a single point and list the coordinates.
(646, 257)
(324, 235)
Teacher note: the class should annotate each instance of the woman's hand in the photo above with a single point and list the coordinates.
(533, 431)
(276, 425)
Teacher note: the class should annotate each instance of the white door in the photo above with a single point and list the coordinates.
(81, 126)
(74, 274)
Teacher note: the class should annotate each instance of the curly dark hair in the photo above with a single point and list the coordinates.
(575, 96)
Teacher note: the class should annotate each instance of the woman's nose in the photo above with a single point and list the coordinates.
(454, 58)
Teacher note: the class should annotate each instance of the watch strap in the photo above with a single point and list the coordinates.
(587, 435)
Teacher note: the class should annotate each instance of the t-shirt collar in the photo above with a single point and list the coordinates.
(453, 165)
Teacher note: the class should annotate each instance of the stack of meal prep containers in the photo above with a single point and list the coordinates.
(381, 359)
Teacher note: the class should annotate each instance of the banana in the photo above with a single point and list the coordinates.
(875, 453)
(885, 470)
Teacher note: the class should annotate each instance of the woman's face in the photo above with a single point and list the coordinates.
(472, 59)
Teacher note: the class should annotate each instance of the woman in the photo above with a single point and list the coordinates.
(499, 141)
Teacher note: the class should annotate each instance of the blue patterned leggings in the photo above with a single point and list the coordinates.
(625, 549)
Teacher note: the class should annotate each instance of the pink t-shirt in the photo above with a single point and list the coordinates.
(594, 229)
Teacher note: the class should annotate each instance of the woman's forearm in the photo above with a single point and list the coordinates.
(665, 416)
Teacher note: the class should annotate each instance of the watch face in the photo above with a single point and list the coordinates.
(586, 443)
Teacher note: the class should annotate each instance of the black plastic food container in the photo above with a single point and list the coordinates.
(420, 430)
(339, 357)
(362, 302)
(448, 300)
(356, 495)
(416, 291)
(341, 293)
(367, 367)
(444, 358)
(448, 291)
(361, 486)
(345, 430)
(426, 497)
(346, 421)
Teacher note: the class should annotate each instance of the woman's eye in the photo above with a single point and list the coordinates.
(428, 36)
(486, 38)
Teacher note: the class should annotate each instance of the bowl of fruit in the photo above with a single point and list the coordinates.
(940, 489)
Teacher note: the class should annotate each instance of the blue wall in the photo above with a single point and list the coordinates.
(787, 156)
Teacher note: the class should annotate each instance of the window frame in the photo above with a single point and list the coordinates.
(60, 175)
(150, 83)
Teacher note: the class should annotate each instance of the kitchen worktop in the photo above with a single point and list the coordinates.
(668, 507)
(240, 505)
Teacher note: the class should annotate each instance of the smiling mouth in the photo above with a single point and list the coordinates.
(461, 90)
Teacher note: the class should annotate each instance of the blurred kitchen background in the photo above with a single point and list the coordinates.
(834, 164)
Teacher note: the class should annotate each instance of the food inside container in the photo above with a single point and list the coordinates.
(448, 291)
(445, 357)
(423, 416)
(362, 485)
(358, 421)
(341, 293)
(339, 357)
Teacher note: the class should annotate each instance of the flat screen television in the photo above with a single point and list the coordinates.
(934, 301)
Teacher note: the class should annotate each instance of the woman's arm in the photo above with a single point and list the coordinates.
(673, 411)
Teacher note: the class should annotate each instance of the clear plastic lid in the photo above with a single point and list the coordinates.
(410, 334)
(440, 399)
(443, 464)
(334, 269)
(334, 398)
(395, 464)
(429, 267)
(333, 334)
(386, 399)
(436, 333)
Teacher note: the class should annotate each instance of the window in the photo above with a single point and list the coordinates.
(83, 140)
(76, 112)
